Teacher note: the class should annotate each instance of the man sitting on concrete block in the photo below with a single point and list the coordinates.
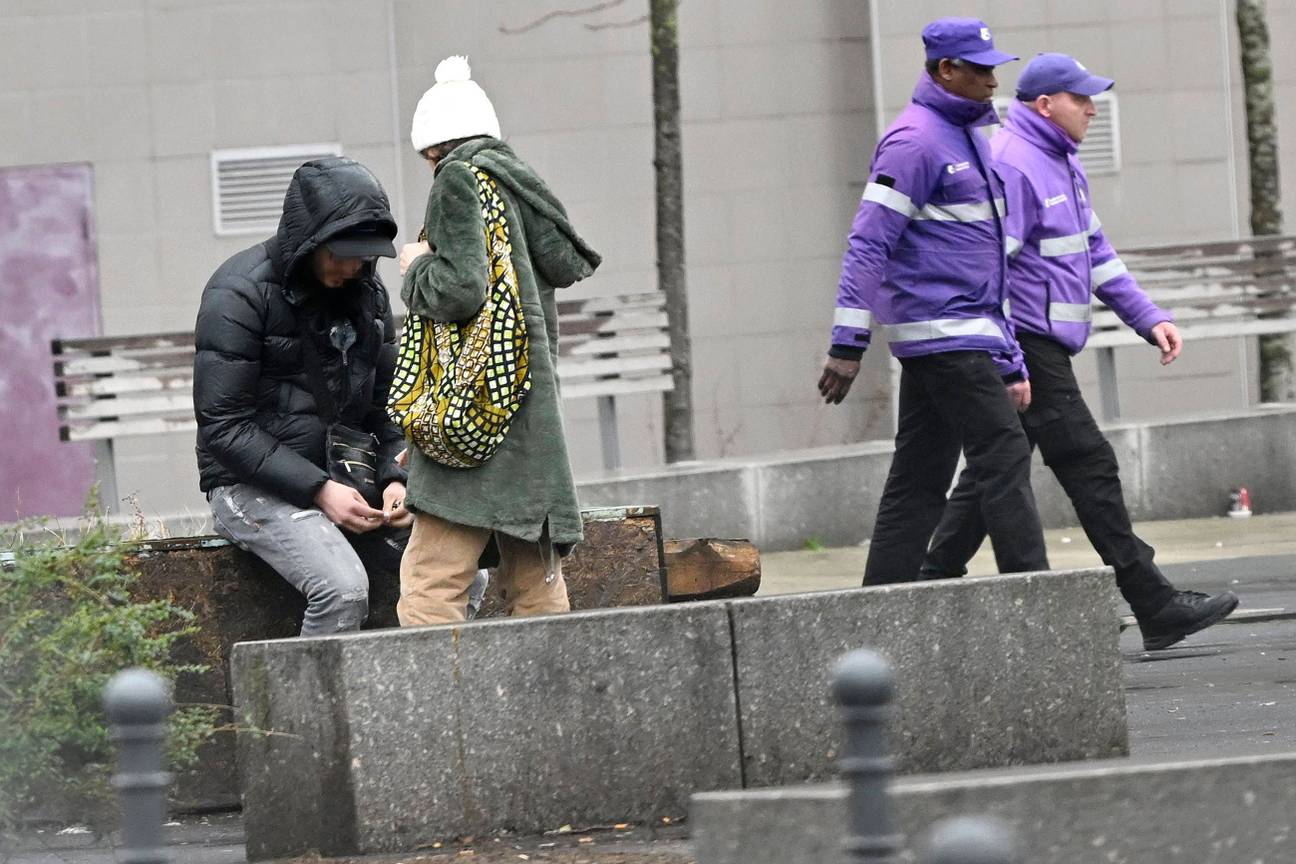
(295, 349)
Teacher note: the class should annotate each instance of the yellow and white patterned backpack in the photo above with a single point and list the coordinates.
(457, 386)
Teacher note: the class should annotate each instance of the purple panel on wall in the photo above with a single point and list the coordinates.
(49, 288)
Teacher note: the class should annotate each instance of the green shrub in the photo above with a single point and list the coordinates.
(67, 625)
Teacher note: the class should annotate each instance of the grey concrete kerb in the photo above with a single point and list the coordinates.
(1221, 811)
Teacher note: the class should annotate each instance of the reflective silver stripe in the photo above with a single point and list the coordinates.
(1007, 307)
(1104, 273)
(917, 331)
(846, 317)
(1012, 246)
(890, 198)
(1094, 224)
(976, 211)
(1071, 244)
(1074, 312)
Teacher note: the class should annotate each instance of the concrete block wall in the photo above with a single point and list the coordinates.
(401, 738)
(1173, 470)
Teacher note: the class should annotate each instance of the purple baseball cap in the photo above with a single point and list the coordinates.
(1056, 73)
(962, 39)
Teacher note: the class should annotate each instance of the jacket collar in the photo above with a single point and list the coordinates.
(1039, 131)
(955, 109)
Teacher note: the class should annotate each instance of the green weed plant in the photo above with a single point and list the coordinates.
(68, 623)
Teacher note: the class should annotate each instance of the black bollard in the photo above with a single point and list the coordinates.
(971, 840)
(137, 703)
(862, 688)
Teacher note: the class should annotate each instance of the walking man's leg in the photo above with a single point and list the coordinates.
(960, 533)
(971, 395)
(1085, 464)
(926, 454)
(302, 546)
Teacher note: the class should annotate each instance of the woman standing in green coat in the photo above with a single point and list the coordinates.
(524, 495)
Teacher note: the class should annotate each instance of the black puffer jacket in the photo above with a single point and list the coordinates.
(257, 418)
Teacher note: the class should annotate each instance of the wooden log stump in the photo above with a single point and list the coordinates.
(710, 569)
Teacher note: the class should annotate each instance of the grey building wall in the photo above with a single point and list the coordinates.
(778, 126)
(779, 112)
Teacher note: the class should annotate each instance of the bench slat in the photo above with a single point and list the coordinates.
(178, 379)
(614, 344)
(612, 304)
(116, 364)
(130, 405)
(618, 324)
(618, 387)
(1258, 327)
(123, 428)
(586, 368)
(118, 343)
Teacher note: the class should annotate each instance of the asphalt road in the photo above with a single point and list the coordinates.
(1229, 690)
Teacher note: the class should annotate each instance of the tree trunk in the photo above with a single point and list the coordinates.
(1266, 191)
(667, 163)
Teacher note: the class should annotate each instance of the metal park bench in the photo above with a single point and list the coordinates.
(1215, 290)
(113, 387)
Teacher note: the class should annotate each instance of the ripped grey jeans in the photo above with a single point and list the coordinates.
(328, 566)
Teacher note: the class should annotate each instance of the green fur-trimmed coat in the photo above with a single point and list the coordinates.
(529, 479)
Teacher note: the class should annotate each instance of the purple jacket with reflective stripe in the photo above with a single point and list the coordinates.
(1056, 249)
(925, 260)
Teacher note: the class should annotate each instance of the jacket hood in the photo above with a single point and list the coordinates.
(956, 109)
(326, 197)
(558, 253)
(1040, 131)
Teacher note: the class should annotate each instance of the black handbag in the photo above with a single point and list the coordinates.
(350, 455)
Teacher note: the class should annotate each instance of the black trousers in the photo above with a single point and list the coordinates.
(1074, 448)
(950, 402)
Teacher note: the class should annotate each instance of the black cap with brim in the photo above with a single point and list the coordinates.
(361, 244)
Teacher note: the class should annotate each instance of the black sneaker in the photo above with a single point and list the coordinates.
(1185, 613)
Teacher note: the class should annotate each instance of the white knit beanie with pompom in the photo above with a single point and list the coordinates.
(454, 107)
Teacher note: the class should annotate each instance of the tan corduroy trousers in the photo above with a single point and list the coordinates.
(441, 561)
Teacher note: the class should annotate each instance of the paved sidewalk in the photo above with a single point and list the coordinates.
(218, 839)
(1177, 542)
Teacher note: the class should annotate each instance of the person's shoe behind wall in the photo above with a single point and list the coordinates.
(1185, 613)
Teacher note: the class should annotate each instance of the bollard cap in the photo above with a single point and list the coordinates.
(971, 840)
(137, 697)
(862, 678)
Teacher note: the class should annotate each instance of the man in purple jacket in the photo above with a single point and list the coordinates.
(1057, 257)
(926, 261)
